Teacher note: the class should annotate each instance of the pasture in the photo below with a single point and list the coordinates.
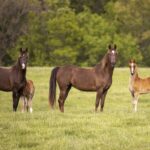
(79, 128)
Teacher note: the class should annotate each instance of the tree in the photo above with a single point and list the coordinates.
(133, 17)
(13, 23)
(96, 6)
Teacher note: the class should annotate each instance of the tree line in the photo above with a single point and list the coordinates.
(59, 32)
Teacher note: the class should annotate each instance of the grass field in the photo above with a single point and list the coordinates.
(79, 128)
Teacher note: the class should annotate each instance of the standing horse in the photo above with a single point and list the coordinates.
(98, 78)
(137, 85)
(14, 78)
(27, 95)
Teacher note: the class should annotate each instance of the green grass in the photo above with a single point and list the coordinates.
(79, 128)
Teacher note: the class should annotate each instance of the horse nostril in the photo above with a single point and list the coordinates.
(113, 64)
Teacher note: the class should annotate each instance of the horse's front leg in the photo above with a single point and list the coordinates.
(98, 95)
(103, 99)
(16, 96)
(135, 101)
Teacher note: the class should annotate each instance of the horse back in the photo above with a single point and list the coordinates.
(81, 78)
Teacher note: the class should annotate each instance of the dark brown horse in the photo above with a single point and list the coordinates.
(98, 78)
(14, 78)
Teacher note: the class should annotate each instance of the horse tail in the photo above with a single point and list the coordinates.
(52, 87)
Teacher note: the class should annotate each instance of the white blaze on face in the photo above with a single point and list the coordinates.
(132, 68)
(113, 52)
(23, 66)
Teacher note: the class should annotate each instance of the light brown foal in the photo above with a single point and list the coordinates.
(137, 85)
(27, 95)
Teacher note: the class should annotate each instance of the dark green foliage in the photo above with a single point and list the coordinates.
(78, 32)
(13, 21)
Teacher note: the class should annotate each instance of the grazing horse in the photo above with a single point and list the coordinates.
(14, 78)
(27, 95)
(137, 85)
(98, 78)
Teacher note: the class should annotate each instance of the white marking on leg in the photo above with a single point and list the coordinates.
(135, 106)
(31, 110)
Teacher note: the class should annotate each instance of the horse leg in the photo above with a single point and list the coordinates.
(30, 105)
(98, 95)
(23, 104)
(103, 100)
(135, 101)
(16, 97)
(62, 97)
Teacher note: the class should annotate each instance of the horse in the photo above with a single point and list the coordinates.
(97, 78)
(13, 79)
(27, 95)
(137, 85)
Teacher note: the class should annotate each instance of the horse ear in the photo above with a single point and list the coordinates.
(115, 46)
(26, 49)
(109, 46)
(20, 50)
(129, 62)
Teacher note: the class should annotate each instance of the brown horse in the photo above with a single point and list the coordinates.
(137, 85)
(27, 95)
(98, 78)
(14, 78)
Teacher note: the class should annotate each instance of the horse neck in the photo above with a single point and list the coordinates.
(104, 65)
(20, 72)
(134, 76)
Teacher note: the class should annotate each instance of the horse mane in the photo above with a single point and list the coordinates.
(103, 63)
(136, 71)
(16, 64)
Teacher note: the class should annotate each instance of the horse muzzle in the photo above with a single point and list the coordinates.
(113, 64)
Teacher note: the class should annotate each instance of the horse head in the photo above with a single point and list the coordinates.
(112, 53)
(23, 58)
(132, 66)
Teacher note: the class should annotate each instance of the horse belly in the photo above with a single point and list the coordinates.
(5, 84)
(84, 84)
(143, 87)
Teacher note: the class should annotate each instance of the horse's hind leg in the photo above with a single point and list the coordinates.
(62, 97)
(23, 104)
(30, 105)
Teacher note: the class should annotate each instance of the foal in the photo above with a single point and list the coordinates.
(27, 95)
(98, 78)
(137, 85)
